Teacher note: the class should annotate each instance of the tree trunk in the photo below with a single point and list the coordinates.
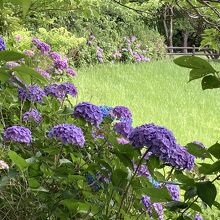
(185, 40)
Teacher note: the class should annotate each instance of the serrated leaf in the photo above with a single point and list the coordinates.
(210, 168)
(120, 178)
(33, 183)
(207, 192)
(175, 205)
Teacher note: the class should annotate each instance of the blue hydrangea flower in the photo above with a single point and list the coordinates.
(2, 44)
(92, 183)
(68, 134)
(121, 112)
(32, 93)
(33, 114)
(61, 90)
(174, 191)
(142, 170)
(18, 134)
(154, 182)
(123, 128)
(105, 110)
(89, 112)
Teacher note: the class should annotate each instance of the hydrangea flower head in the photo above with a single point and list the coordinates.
(43, 47)
(153, 136)
(18, 134)
(89, 112)
(121, 112)
(33, 114)
(174, 191)
(2, 44)
(61, 90)
(61, 64)
(32, 93)
(142, 170)
(71, 72)
(67, 134)
(55, 56)
(123, 128)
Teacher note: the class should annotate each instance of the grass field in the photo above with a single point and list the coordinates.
(155, 92)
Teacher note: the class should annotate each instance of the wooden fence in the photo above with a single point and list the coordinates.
(172, 51)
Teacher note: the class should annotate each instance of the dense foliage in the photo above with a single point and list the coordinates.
(62, 160)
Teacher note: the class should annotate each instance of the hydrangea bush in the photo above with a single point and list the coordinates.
(65, 161)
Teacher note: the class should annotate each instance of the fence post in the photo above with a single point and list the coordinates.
(193, 50)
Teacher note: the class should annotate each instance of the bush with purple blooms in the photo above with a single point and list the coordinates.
(66, 160)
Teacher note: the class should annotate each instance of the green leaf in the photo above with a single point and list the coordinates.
(210, 168)
(198, 151)
(183, 178)
(8, 55)
(190, 193)
(4, 76)
(158, 195)
(195, 207)
(124, 159)
(207, 192)
(215, 150)
(197, 73)
(120, 178)
(25, 5)
(194, 63)
(33, 183)
(18, 160)
(175, 205)
(27, 72)
(210, 82)
(216, 204)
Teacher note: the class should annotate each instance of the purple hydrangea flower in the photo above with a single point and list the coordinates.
(90, 40)
(33, 114)
(71, 72)
(123, 128)
(2, 44)
(43, 73)
(121, 112)
(162, 143)
(174, 191)
(12, 64)
(151, 135)
(43, 47)
(105, 110)
(18, 134)
(68, 134)
(61, 64)
(198, 217)
(32, 93)
(91, 113)
(55, 56)
(61, 90)
(177, 157)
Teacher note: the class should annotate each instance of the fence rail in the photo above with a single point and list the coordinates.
(172, 51)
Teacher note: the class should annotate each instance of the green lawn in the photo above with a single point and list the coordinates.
(155, 92)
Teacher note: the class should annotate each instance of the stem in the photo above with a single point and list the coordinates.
(168, 177)
(109, 202)
(129, 184)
